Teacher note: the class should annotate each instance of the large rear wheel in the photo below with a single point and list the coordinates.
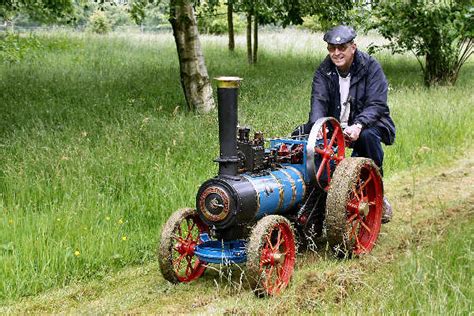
(354, 207)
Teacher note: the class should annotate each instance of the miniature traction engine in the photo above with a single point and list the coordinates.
(265, 200)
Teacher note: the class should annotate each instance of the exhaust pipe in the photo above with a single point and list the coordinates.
(227, 94)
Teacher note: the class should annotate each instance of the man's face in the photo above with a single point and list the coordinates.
(342, 55)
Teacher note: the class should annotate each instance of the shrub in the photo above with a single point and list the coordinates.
(441, 33)
(99, 23)
(14, 48)
(312, 23)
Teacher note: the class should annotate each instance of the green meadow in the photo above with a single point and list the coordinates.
(97, 148)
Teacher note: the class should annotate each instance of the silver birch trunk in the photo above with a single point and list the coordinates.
(194, 78)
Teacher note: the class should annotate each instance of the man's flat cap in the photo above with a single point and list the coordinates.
(339, 35)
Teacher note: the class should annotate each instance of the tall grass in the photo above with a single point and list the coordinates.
(96, 149)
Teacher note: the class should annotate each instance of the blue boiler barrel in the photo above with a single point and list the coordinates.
(278, 191)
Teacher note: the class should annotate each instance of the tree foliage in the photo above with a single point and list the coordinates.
(213, 19)
(42, 10)
(440, 32)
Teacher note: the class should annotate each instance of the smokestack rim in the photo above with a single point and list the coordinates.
(228, 82)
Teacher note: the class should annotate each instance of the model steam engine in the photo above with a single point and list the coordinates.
(265, 199)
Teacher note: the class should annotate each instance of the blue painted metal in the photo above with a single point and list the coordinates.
(220, 252)
(279, 190)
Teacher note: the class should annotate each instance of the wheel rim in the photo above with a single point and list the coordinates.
(277, 259)
(185, 237)
(331, 150)
(364, 211)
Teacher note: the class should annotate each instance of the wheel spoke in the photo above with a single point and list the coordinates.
(334, 135)
(191, 228)
(357, 241)
(178, 260)
(365, 226)
(353, 231)
(278, 239)
(191, 265)
(188, 266)
(269, 277)
(178, 238)
(355, 193)
(321, 168)
(366, 182)
(180, 232)
(319, 151)
(351, 219)
(193, 223)
(188, 233)
(352, 208)
(325, 136)
(362, 196)
(269, 242)
(359, 245)
(328, 170)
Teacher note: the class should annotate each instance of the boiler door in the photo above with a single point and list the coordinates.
(214, 203)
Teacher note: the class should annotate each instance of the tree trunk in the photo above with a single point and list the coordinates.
(440, 62)
(249, 38)
(255, 39)
(230, 24)
(193, 72)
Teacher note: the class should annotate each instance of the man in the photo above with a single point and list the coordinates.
(351, 86)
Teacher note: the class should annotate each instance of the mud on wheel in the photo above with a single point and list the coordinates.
(179, 237)
(271, 255)
(354, 207)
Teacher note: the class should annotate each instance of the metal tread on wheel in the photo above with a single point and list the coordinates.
(271, 255)
(354, 207)
(179, 237)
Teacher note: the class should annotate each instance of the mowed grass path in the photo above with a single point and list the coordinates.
(96, 150)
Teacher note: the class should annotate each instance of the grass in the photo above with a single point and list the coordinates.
(321, 283)
(437, 279)
(96, 150)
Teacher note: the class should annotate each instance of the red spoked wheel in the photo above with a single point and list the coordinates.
(327, 140)
(271, 255)
(354, 207)
(179, 237)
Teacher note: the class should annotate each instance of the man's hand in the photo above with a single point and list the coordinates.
(353, 131)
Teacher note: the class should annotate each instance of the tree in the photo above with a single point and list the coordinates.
(286, 12)
(230, 24)
(194, 78)
(192, 68)
(440, 32)
(257, 12)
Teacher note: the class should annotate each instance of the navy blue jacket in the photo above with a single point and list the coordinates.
(367, 95)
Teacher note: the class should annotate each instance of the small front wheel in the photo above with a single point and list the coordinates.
(179, 237)
(271, 255)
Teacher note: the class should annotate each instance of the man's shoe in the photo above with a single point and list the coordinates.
(387, 211)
